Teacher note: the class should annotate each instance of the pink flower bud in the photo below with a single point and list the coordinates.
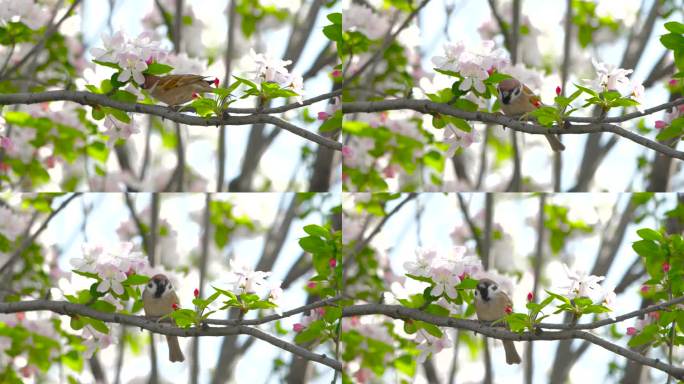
(462, 276)
(631, 331)
(389, 172)
(174, 306)
(490, 71)
(149, 61)
(298, 327)
(673, 82)
(346, 151)
(530, 296)
(659, 124)
(21, 316)
(645, 288)
(195, 95)
(558, 90)
(655, 315)
(196, 292)
(508, 310)
(216, 82)
(333, 263)
(50, 161)
(666, 267)
(336, 73)
(320, 311)
(323, 116)
(311, 284)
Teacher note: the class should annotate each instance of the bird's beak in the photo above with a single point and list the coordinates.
(505, 97)
(160, 289)
(483, 292)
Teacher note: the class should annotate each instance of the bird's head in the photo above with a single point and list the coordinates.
(159, 285)
(509, 90)
(486, 289)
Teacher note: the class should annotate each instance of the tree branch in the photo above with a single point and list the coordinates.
(92, 99)
(593, 126)
(499, 332)
(72, 309)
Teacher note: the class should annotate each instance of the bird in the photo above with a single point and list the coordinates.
(490, 305)
(517, 99)
(158, 300)
(175, 90)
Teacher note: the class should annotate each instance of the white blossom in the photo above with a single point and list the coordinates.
(581, 284)
(429, 344)
(111, 277)
(609, 76)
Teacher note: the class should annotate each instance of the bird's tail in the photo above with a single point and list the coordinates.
(512, 356)
(175, 353)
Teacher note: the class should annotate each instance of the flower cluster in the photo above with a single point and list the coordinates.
(28, 12)
(446, 271)
(272, 70)
(132, 56)
(245, 280)
(112, 265)
(474, 64)
(585, 285)
(362, 19)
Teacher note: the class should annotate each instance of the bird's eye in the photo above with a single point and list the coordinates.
(477, 293)
(170, 286)
(493, 287)
(517, 91)
(150, 284)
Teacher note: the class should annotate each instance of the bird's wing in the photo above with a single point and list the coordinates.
(534, 99)
(167, 83)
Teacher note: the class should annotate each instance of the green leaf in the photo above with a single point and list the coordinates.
(649, 234)
(672, 41)
(587, 90)
(86, 274)
(99, 325)
(313, 244)
(332, 314)
(336, 18)
(675, 27)
(317, 230)
(76, 323)
(107, 64)
(158, 69)
(645, 336)
(646, 248)
(675, 129)
(430, 328)
(124, 96)
(136, 279)
(103, 306)
(460, 124)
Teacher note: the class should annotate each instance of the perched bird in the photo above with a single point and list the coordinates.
(490, 305)
(516, 100)
(158, 300)
(177, 89)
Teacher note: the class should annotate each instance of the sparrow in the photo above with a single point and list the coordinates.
(177, 89)
(158, 300)
(516, 100)
(490, 305)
